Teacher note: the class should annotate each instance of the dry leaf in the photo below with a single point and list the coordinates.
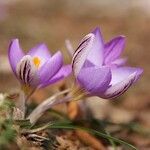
(90, 140)
(74, 111)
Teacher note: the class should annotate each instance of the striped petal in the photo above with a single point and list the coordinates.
(122, 79)
(81, 53)
(121, 73)
(27, 72)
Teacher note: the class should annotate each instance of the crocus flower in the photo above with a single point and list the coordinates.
(98, 68)
(38, 68)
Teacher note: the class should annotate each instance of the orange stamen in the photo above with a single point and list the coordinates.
(36, 61)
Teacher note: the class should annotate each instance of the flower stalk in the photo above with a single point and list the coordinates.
(73, 94)
(47, 104)
(22, 103)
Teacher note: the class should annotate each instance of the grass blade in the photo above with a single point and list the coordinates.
(92, 131)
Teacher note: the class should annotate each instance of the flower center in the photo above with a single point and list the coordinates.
(36, 61)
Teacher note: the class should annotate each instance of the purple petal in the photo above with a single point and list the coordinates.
(88, 64)
(119, 88)
(121, 73)
(122, 79)
(94, 80)
(96, 54)
(15, 54)
(119, 62)
(41, 51)
(51, 67)
(62, 73)
(81, 53)
(113, 49)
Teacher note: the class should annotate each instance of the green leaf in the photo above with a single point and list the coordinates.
(58, 114)
(106, 132)
(92, 131)
(131, 126)
(7, 133)
(23, 123)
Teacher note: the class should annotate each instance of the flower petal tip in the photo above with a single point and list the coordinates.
(13, 42)
(59, 55)
(139, 72)
(122, 36)
(42, 45)
(96, 31)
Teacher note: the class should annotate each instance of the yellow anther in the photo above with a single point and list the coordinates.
(36, 61)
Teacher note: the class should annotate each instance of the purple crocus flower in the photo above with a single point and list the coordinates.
(38, 68)
(98, 68)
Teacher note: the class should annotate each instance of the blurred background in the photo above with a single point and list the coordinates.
(54, 21)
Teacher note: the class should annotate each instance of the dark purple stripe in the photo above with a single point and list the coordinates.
(82, 43)
(24, 71)
(76, 56)
(28, 75)
(125, 88)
